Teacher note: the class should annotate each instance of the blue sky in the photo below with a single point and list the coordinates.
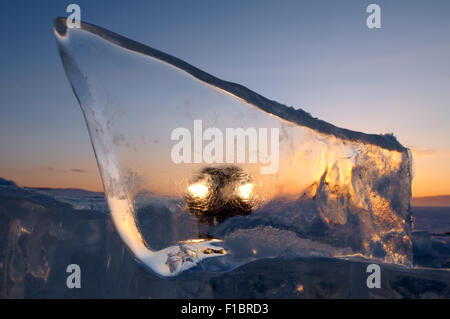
(318, 55)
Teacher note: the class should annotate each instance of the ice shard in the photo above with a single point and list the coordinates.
(232, 176)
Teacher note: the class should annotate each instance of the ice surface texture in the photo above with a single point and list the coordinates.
(337, 193)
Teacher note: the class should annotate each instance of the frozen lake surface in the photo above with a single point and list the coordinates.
(42, 235)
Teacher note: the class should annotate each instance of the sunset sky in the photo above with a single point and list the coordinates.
(317, 55)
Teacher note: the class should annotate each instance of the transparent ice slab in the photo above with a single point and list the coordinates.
(302, 187)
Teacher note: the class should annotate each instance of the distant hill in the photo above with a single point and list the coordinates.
(68, 192)
(432, 201)
(426, 201)
(5, 182)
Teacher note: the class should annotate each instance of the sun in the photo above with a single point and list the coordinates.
(199, 190)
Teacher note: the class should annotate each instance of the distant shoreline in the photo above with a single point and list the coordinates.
(431, 201)
(423, 201)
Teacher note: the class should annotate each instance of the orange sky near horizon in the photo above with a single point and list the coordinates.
(431, 175)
